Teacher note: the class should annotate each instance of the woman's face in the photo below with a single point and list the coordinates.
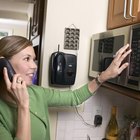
(24, 64)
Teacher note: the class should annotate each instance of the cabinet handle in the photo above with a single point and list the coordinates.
(131, 9)
(125, 7)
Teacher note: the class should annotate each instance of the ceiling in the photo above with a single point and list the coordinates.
(15, 9)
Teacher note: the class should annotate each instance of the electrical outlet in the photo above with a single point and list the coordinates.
(98, 110)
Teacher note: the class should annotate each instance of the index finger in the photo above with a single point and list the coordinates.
(122, 49)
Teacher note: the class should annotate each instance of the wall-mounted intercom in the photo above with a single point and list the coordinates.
(63, 68)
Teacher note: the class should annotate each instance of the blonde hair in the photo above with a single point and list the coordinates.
(11, 45)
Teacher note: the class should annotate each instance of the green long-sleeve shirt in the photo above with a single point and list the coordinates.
(40, 99)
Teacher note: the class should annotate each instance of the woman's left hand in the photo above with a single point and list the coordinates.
(117, 65)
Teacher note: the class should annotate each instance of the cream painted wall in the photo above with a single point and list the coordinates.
(90, 17)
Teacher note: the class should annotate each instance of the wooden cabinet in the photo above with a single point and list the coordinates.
(122, 13)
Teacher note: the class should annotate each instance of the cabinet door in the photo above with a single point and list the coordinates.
(136, 11)
(121, 12)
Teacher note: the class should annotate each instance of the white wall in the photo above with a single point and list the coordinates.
(86, 16)
(16, 29)
(90, 17)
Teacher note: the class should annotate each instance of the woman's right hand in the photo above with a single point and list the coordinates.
(17, 89)
(117, 65)
(114, 69)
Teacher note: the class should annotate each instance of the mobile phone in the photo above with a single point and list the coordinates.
(5, 63)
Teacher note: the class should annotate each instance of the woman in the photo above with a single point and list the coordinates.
(23, 106)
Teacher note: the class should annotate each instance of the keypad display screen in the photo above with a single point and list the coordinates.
(134, 69)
